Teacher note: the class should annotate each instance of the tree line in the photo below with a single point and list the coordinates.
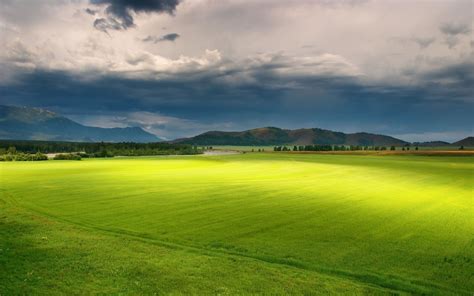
(11, 150)
(335, 148)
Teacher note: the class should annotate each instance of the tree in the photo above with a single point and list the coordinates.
(461, 148)
(416, 148)
(11, 150)
(392, 147)
(40, 156)
(295, 148)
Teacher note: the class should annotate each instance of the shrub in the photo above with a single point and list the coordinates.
(67, 156)
(23, 157)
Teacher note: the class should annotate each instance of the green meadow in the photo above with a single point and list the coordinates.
(266, 223)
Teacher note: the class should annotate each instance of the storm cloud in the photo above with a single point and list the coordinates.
(259, 95)
(121, 11)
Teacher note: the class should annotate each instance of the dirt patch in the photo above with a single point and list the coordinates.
(221, 152)
(389, 152)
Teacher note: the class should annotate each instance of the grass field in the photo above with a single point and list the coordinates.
(252, 223)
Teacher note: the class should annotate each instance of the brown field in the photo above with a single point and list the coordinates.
(391, 152)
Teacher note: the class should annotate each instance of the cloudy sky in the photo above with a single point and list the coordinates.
(178, 68)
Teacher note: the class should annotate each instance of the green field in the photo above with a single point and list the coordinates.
(265, 223)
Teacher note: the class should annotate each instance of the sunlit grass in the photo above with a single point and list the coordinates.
(401, 222)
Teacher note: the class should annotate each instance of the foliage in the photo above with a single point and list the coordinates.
(67, 156)
(97, 149)
(23, 157)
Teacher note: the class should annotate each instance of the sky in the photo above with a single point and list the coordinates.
(179, 68)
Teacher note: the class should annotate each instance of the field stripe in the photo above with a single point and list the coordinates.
(372, 280)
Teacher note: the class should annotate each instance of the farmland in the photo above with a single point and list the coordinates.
(249, 223)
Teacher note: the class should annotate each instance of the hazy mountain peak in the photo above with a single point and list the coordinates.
(25, 123)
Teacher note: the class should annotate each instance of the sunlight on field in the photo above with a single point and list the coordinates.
(398, 222)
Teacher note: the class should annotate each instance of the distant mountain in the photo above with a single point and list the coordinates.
(431, 144)
(24, 123)
(277, 136)
(469, 141)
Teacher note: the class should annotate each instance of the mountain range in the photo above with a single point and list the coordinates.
(306, 136)
(468, 142)
(303, 136)
(25, 123)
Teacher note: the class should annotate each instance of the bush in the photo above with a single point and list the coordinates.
(67, 156)
(23, 157)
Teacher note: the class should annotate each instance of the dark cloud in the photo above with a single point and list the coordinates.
(441, 101)
(104, 25)
(454, 29)
(90, 11)
(121, 10)
(168, 37)
(453, 81)
(453, 32)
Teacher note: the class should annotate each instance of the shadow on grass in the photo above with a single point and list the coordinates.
(34, 256)
(21, 256)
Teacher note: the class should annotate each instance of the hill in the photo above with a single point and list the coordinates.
(25, 123)
(431, 144)
(469, 141)
(277, 136)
